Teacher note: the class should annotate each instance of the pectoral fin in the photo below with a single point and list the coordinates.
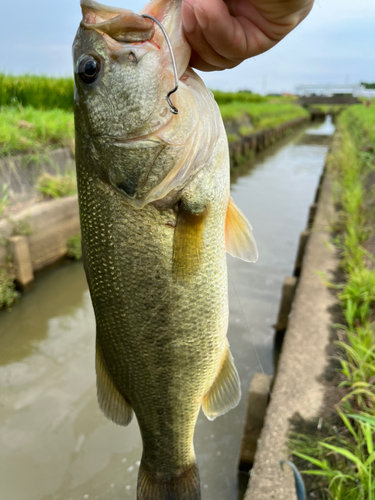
(225, 392)
(239, 237)
(110, 400)
(188, 242)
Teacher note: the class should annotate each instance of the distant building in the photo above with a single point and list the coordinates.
(335, 90)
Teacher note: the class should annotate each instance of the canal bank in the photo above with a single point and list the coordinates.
(51, 430)
(35, 234)
(300, 386)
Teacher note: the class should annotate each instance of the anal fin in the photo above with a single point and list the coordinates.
(110, 400)
(225, 392)
(239, 239)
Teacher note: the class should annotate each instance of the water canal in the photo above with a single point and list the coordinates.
(54, 442)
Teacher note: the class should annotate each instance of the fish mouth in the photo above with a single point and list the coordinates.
(122, 25)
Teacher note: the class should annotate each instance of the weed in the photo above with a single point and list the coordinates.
(22, 227)
(263, 115)
(74, 247)
(8, 293)
(233, 138)
(3, 198)
(57, 186)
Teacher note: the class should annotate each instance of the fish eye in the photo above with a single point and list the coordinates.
(88, 69)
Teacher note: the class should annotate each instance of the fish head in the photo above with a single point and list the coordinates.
(123, 72)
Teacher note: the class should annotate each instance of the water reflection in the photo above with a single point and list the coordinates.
(52, 434)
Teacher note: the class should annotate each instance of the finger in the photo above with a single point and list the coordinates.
(208, 57)
(198, 63)
(234, 38)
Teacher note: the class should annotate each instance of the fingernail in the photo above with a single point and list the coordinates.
(189, 20)
(201, 17)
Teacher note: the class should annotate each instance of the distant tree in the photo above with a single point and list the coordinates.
(368, 85)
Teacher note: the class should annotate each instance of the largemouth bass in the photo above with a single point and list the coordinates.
(157, 220)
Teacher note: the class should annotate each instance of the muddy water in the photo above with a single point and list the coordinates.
(54, 442)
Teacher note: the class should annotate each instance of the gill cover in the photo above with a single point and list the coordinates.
(139, 147)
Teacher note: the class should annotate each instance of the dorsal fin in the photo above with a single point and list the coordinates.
(239, 239)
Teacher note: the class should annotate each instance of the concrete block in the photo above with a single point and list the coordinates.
(289, 290)
(312, 213)
(53, 223)
(19, 248)
(257, 402)
(301, 251)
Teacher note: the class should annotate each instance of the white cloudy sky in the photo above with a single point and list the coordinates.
(335, 44)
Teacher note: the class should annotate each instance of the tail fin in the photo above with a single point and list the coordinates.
(185, 486)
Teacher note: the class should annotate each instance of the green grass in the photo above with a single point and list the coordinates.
(263, 115)
(227, 97)
(329, 109)
(57, 186)
(75, 247)
(41, 92)
(4, 194)
(36, 112)
(30, 130)
(8, 293)
(344, 461)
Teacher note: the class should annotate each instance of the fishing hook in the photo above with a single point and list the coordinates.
(174, 110)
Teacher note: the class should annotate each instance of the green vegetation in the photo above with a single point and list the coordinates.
(3, 198)
(8, 293)
(368, 85)
(36, 112)
(57, 186)
(343, 462)
(40, 92)
(33, 130)
(74, 247)
(328, 109)
(263, 115)
(227, 97)
(22, 227)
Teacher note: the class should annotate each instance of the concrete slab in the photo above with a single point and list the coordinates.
(256, 407)
(303, 359)
(52, 223)
(19, 248)
(287, 296)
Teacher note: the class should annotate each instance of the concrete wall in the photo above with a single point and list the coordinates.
(50, 224)
(336, 99)
(20, 173)
(254, 143)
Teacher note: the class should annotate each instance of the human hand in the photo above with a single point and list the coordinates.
(222, 34)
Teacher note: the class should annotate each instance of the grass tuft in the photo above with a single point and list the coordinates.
(57, 186)
(8, 293)
(75, 247)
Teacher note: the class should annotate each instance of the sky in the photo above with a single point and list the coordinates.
(335, 44)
